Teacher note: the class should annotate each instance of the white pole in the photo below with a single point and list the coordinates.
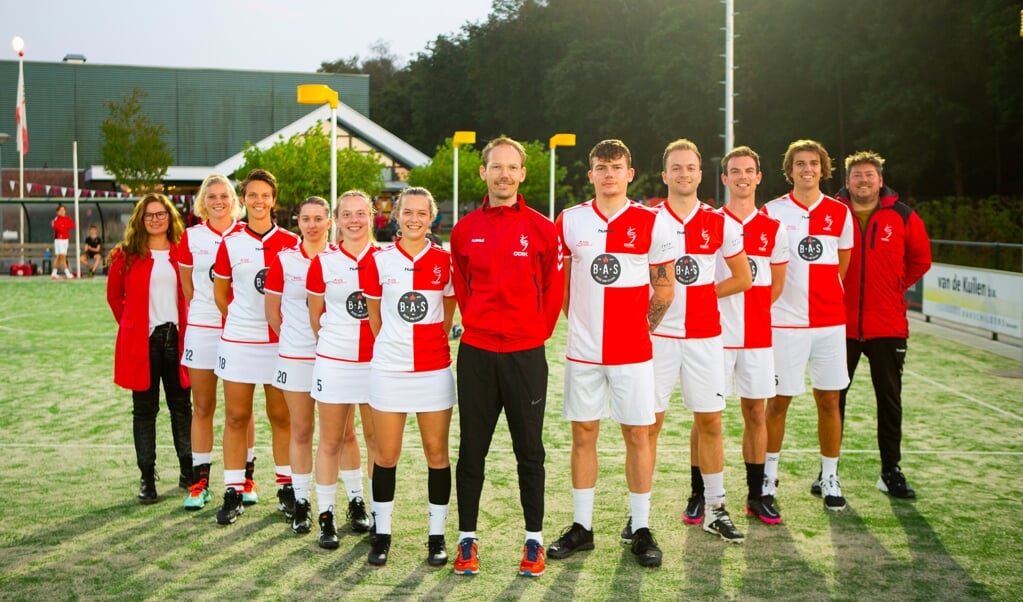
(729, 82)
(552, 184)
(454, 202)
(78, 227)
(21, 176)
(333, 173)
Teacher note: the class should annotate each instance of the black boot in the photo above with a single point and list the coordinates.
(147, 487)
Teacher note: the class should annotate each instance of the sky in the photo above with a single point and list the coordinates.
(258, 35)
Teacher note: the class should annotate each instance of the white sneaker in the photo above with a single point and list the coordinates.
(831, 490)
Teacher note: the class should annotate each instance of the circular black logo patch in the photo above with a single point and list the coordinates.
(211, 273)
(356, 306)
(605, 268)
(752, 267)
(260, 280)
(412, 306)
(810, 248)
(686, 270)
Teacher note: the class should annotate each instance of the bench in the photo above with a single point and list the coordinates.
(33, 252)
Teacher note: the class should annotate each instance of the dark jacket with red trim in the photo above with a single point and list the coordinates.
(889, 256)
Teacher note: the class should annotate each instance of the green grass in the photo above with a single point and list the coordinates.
(72, 529)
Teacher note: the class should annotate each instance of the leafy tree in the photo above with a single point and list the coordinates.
(133, 148)
(301, 165)
(381, 66)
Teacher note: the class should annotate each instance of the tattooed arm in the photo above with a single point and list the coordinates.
(664, 292)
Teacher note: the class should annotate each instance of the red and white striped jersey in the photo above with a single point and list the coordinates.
(198, 250)
(609, 288)
(244, 258)
(340, 279)
(813, 295)
(411, 292)
(746, 316)
(700, 237)
(287, 278)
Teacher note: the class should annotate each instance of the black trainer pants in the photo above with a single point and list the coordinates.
(163, 365)
(887, 357)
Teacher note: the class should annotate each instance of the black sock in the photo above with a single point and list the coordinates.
(438, 483)
(754, 480)
(383, 483)
(697, 478)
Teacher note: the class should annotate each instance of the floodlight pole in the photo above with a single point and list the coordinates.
(461, 137)
(318, 94)
(556, 141)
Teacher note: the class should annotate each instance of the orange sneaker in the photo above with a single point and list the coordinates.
(467, 561)
(250, 493)
(532, 564)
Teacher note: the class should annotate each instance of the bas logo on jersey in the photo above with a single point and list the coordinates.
(211, 273)
(811, 248)
(356, 306)
(605, 268)
(752, 267)
(412, 307)
(260, 281)
(686, 270)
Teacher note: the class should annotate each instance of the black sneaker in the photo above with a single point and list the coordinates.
(627, 533)
(300, 522)
(645, 548)
(893, 482)
(573, 539)
(693, 514)
(832, 491)
(718, 521)
(147, 491)
(764, 508)
(286, 500)
(328, 532)
(357, 516)
(232, 507)
(380, 549)
(437, 553)
(815, 487)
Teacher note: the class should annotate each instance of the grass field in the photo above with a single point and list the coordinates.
(72, 529)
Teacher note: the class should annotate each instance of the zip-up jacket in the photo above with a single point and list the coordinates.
(889, 256)
(509, 276)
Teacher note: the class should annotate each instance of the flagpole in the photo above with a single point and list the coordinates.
(78, 227)
(18, 45)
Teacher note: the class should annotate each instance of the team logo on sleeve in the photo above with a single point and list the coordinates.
(810, 248)
(687, 270)
(752, 267)
(412, 306)
(605, 268)
(356, 306)
(260, 280)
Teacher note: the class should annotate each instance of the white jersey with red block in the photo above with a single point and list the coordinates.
(609, 288)
(700, 238)
(813, 296)
(411, 291)
(244, 257)
(340, 279)
(746, 316)
(198, 250)
(287, 278)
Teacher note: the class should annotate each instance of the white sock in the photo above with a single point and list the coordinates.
(326, 497)
(438, 516)
(466, 535)
(234, 478)
(371, 501)
(829, 467)
(302, 484)
(770, 471)
(536, 536)
(198, 458)
(250, 455)
(382, 516)
(353, 482)
(714, 488)
(582, 501)
(639, 505)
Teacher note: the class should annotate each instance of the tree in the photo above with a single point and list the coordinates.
(301, 165)
(133, 148)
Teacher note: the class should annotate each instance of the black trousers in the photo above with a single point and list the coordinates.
(487, 383)
(887, 357)
(163, 366)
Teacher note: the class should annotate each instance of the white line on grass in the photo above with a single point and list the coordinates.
(965, 396)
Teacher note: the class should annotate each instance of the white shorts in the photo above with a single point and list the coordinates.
(201, 347)
(697, 363)
(293, 374)
(823, 348)
(340, 382)
(252, 363)
(630, 388)
(752, 371)
(60, 246)
(411, 392)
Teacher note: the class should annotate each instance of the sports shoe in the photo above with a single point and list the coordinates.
(357, 516)
(533, 563)
(627, 532)
(147, 491)
(815, 487)
(467, 562)
(719, 522)
(832, 491)
(573, 539)
(250, 495)
(300, 522)
(437, 552)
(893, 482)
(693, 514)
(232, 507)
(380, 549)
(645, 548)
(286, 500)
(198, 495)
(328, 532)
(764, 509)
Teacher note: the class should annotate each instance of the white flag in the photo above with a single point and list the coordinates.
(19, 113)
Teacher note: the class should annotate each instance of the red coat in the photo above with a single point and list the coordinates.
(128, 297)
(889, 256)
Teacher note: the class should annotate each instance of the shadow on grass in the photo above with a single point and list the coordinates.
(774, 564)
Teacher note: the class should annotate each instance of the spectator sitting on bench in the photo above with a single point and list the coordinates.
(92, 258)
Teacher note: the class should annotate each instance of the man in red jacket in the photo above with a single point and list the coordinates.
(891, 253)
(509, 281)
